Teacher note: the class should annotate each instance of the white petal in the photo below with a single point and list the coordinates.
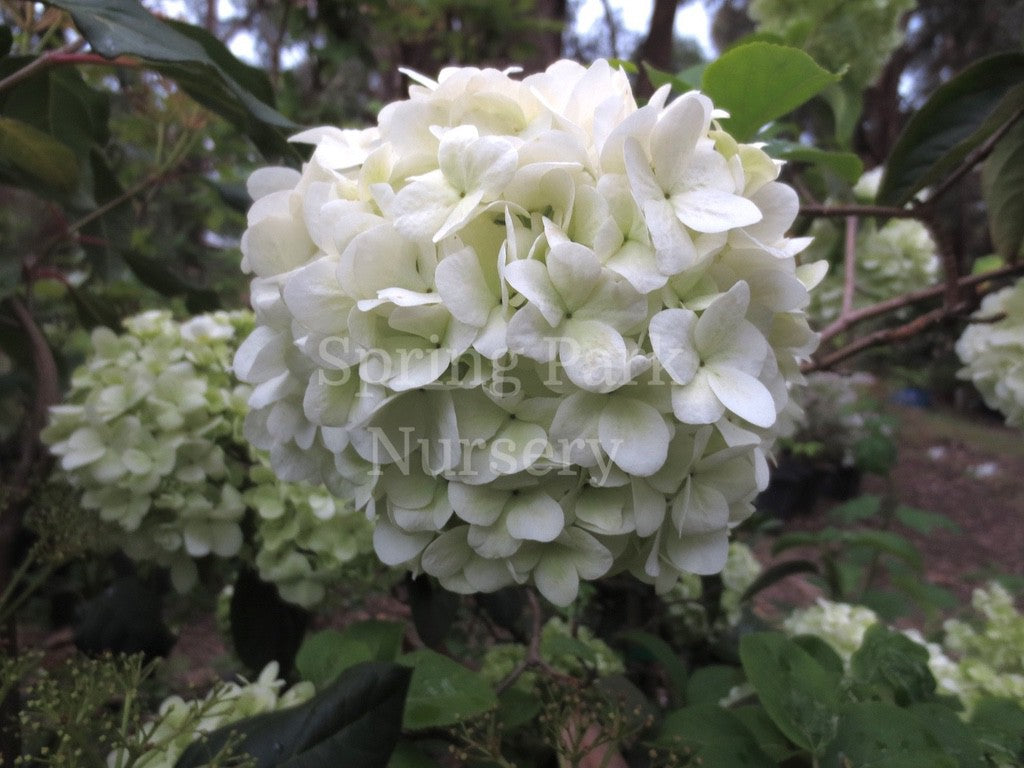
(634, 435)
(396, 547)
(705, 554)
(461, 284)
(556, 578)
(594, 355)
(534, 516)
(696, 402)
(574, 271)
(673, 246)
(531, 279)
(671, 333)
(743, 394)
(713, 210)
(477, 504)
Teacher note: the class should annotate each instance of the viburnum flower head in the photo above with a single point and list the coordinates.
(538, 333)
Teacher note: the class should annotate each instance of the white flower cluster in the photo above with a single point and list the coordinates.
(993, 352)
(151, 434)
(991, 654)
(539, 333)
(181, 722)
(841, 625)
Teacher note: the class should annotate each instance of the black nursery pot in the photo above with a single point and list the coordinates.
(792, 490)
(840, 483)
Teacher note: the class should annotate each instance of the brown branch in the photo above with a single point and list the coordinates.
(533, 657)
(907, 299)
(884, 336)
(41, 63)
(861, 211)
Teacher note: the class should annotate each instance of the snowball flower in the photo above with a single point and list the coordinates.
(993, 352)
(537, 334)
(841, 625)
(151, 434)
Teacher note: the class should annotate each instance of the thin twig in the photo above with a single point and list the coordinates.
(40, 63)
(861, 211)
(907, 299)
(609, 23)
(533, 657)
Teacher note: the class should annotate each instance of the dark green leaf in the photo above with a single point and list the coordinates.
(6, 40)
(999, 726)
(776, 573)
(891, 667)
(324, 655)
(30, 157)
(659, 78)
(433, 609)
(923, 522)
(712, 683)
(957, 117)
(769, 738)
(443, 692)
(647, 647)
(822, 652)
(93, 312)
(798, 693)
(884, 541)
(712, 736)
(857, 510)
(200, 64)
(759, 82)
(1002, 183)
(162, 277)
(517, 707)
(952, 734)
(264, 627)
(356, 721)
(883, 736)
(408, 755)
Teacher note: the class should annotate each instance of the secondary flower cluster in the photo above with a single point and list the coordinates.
(151, 434)
(181, 722)
(539, 333)
(992, 350)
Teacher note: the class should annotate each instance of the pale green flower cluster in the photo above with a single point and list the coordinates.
(151, 434)
(992, 351)
(538, 333)
(741, 570)
(896, 258)
(578, 656)
(853, 36)
(181, 722)
(991, 653)
(841, 625)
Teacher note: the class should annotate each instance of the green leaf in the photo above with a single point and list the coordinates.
(408, 755)
(776, 573)
(1002, 184)
(798, 693)
(709, 735)
(957, 117)
(770, 739)
(999, 725)
(880, 735)
(857, 510)
(517, 707)
(29, 157)
(653, 648)
(326, 654)
(952, 734)
(710, 684)
(202, 66)
(659, 78)
(356, 721)
(6, 40)
(443, 692)
(891, 667)
(759, 82)
(846, 165)
(922, 521)
(822, 652)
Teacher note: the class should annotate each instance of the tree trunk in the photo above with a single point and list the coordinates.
(656, 48)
